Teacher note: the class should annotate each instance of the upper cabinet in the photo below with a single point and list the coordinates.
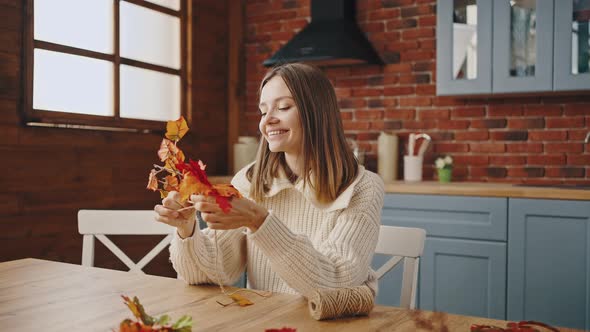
(572, 45)
(512, 46)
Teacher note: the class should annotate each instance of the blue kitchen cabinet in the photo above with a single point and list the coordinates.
(463, 269)
(549, 262)
(464, 277)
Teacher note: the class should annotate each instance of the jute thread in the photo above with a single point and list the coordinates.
(332, 303)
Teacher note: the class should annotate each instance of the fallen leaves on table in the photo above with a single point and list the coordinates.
(522, 326)
(188, 178)
(145, 322)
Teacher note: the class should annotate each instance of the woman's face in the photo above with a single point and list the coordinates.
(279, 121)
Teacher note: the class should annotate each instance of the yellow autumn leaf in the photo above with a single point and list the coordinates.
(240, 300)
(175, 130)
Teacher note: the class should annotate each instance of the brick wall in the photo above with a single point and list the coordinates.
(511, 139)
(48, 174)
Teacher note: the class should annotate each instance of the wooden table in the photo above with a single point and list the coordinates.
(38, 295)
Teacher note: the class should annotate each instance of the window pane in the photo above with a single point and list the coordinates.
(581, 37)
(464, 39)
(523, 41)
(172, 4)
(148, 94)
(84, 24)
(71, 83)
(149, 36)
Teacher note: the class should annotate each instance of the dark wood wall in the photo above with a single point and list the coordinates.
(48, 174)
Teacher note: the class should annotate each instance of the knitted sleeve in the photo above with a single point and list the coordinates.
(194, 260)
(342, 260)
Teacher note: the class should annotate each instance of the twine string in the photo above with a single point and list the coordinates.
(330, 303)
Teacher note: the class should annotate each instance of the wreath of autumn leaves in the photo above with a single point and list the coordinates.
(187, 178)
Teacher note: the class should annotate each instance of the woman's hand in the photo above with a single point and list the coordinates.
(243, 213)
(169, 213)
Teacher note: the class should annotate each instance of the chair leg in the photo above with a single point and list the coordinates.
(88, 250)
(409, 283)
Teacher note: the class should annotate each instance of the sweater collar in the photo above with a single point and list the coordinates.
(282, 182)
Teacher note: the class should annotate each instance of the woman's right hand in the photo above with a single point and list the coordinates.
(168, 213)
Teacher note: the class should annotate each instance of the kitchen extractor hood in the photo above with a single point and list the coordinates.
(331, 38)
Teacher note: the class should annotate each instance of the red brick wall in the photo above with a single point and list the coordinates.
(512, 139)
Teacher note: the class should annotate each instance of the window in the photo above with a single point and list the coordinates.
(105, 63)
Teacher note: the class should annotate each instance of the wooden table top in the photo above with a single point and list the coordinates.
(40, 295)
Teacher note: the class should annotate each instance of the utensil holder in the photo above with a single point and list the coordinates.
(413, 168)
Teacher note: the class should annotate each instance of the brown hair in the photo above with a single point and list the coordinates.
(326, 154)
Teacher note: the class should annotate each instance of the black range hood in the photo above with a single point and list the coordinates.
(331, 38)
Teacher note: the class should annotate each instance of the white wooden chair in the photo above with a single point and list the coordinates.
(407, 244)
(99, 223)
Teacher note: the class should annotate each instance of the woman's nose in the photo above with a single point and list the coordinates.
(270, 119)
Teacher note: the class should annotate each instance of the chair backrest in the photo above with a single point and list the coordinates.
(404, 244)
(99, 223)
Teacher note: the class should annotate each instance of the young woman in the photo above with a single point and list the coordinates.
(310, 215)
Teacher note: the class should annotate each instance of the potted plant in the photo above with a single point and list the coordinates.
(444, 168)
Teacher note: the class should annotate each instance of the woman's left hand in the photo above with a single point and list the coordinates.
(243, 213)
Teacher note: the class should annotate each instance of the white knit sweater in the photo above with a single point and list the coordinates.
(302, 245)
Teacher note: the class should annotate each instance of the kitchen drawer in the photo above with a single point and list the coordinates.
(481, 218)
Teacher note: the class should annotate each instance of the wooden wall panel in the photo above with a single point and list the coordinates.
(48, 174)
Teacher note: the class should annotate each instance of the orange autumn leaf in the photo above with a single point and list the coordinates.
(190, 185)
(175, 130)
(170, 183)
(137, 310)
(227, 190)
(169, 151)
(152, 181)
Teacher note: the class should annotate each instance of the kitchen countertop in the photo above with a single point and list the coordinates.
(471, 189)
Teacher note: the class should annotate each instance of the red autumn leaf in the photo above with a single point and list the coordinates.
(175, 130)
(197, 169)
(223, 203)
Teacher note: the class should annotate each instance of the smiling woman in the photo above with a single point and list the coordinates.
(310, 214)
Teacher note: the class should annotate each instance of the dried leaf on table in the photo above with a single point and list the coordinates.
(240, 300)
(146, 322)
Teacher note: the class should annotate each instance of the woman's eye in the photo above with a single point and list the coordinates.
(262, 115)
(284, 108)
